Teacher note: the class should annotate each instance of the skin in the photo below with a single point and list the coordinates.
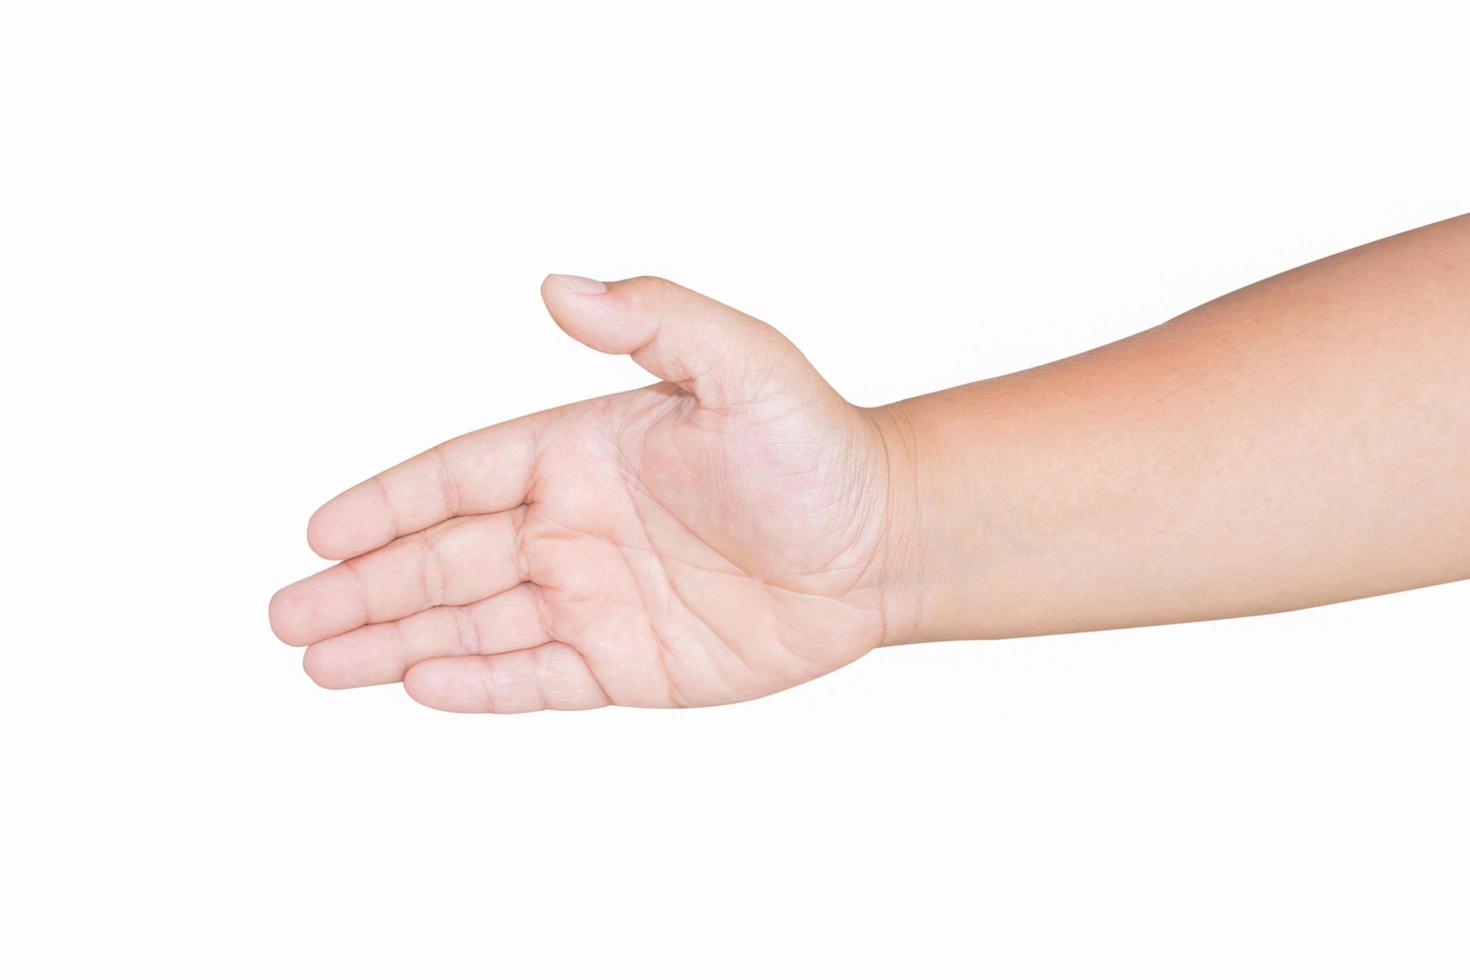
(738, 527)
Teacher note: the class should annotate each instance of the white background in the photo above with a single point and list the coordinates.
(252, 252)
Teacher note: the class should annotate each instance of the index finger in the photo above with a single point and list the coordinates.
(481, 472)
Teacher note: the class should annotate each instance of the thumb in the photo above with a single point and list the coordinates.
(720, 355)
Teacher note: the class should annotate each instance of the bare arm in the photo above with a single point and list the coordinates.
(1302, 441)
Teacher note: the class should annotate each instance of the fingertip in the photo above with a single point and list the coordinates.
(350, 524)
(566, 299)
(319, 536)
(597, 314)
(323, 668)
(329, 534)
(319, 606)
(439, 685)
(285, 617)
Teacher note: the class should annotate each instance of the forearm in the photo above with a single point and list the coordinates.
(1302, 441)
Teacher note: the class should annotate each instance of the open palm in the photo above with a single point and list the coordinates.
(715, 537)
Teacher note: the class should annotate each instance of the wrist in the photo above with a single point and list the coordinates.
(910, 603)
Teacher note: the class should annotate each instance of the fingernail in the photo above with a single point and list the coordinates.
(581, 284)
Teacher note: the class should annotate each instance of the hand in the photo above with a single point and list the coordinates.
(718, 536)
